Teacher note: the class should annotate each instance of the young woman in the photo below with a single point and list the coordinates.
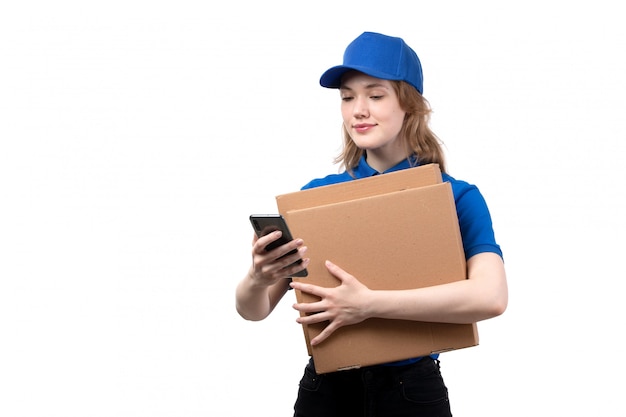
(385, 124)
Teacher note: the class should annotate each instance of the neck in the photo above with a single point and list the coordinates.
(382, 161)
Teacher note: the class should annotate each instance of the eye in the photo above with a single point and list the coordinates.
(346, 98)
(376, 97)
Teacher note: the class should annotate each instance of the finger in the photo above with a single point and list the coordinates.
(314, 318)
(328, 330)
(336, 271)
(310, 308)
(333, 268)
(262, 242)
(293, 267)
(309, 288)
(289, 258)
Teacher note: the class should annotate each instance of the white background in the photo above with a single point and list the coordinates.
(137, 137)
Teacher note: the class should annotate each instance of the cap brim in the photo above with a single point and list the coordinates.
(332, 77)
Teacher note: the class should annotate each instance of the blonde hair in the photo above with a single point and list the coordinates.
(415, 132)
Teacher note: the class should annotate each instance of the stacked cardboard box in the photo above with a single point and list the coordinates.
(394, 231)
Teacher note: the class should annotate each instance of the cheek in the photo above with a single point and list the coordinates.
(399, 119)
(346, 114)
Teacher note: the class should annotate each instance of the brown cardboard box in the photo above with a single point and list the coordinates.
(393, 231)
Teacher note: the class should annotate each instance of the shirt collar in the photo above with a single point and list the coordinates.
(363, 170)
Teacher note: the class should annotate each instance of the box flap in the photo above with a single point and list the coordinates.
(364, 187)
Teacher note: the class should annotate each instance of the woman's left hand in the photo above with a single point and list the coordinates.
(340, 306)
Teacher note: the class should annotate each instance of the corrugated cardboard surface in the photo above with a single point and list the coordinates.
(392, 231)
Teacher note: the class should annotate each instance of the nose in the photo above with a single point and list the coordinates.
(360, 109)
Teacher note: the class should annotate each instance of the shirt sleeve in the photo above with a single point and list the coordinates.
(474, 221)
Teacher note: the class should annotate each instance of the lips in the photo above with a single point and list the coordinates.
(363, 127)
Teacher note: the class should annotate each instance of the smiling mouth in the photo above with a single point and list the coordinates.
(362, 127)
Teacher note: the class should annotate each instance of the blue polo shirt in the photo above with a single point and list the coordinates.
(474, 217)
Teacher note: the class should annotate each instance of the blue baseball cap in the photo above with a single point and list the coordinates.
(379, 56)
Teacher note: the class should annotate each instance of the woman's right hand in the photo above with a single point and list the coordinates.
(268, 267)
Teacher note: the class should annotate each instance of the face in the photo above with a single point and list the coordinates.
(373, 117)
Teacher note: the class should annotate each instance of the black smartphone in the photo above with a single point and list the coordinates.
(265, 224)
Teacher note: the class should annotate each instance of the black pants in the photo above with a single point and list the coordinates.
(413, 390)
